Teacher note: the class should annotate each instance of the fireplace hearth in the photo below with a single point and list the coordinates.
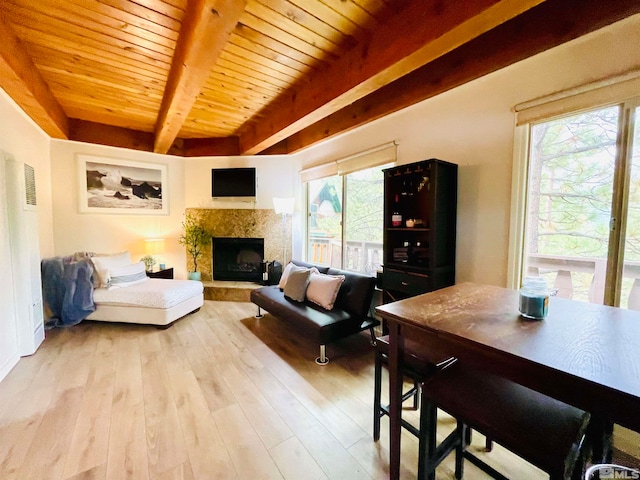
(237, 259)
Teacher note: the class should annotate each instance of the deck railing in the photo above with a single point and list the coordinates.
(584, 278)
(365, 257)
(577, 278)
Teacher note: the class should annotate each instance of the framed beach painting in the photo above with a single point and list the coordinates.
(107, 185)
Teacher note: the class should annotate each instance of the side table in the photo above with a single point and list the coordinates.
(164, 273)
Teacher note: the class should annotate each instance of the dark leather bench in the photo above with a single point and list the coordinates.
(350, 314)
(545, 432)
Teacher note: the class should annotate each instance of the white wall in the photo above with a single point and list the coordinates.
(189, 187)
(276, 176)
(111, 233)
(473, 126)
(21, 138)
(9, 343)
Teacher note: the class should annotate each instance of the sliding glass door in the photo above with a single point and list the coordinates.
(630, 285)
(583, 206)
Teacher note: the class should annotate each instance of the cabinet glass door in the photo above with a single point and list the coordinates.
(407, 217)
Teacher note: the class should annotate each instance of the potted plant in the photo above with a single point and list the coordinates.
(149, 262)
(194, 237)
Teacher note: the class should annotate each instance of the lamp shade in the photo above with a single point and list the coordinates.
(284, 205)
(154, 246)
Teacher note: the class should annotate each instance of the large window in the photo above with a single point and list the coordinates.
(582, 209)
(345, 204)
(324, 227)
(363, 220)
(346, 220)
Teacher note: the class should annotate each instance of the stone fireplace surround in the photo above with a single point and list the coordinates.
(242, 223)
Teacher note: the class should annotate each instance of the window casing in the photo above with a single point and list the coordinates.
(345, 210)
(608, 168)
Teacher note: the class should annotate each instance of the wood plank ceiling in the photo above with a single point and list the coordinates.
(228, 77)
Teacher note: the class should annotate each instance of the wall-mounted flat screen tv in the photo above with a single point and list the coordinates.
(233, 182)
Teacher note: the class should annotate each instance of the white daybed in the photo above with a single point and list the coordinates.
(155, 301)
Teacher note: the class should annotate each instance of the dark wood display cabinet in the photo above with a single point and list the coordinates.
(419, 228)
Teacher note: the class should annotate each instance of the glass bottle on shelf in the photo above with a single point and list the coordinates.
(396, 217)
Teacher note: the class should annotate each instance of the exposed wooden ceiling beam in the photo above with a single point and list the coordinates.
(551, 24)
(101, 134)
(205, 147)
(416, 36)
(205, 30)
(20, 78)
(92, 132)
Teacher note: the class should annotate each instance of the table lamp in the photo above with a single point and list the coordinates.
(155, 248)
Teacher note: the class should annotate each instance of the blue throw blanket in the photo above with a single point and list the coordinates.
(67, 290)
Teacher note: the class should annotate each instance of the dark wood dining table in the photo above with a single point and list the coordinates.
(584, 354)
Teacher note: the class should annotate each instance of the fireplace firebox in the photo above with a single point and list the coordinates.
(238, 259)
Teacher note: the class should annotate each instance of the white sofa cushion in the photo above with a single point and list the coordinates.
(323, 289)
(102, 264)
(123, 276)
(154, 293)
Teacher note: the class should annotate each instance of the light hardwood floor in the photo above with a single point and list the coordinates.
(218, 395)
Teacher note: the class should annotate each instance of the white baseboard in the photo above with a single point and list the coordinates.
(8, 365)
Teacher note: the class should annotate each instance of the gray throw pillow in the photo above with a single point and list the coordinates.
(296, 285)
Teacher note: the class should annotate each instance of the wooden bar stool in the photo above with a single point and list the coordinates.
(420, 362)
(543, 431)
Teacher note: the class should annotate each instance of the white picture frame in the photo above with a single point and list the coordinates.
(116, 186)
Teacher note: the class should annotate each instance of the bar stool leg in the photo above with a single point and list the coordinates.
(377, 388)
(600, 433)
(427, 443)
(464, 433)
(488, 444)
